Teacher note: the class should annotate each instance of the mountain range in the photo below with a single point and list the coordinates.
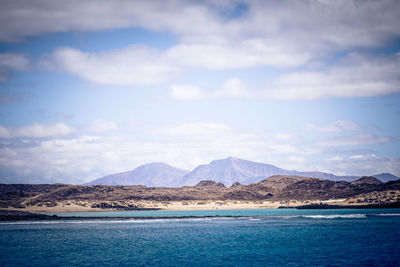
(151, 174)
(226, 171)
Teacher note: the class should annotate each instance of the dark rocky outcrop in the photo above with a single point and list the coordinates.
(209, 183)
(394, 205)
(236, 184)
(13, 215)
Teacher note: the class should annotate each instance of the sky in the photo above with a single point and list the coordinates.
(91, 88)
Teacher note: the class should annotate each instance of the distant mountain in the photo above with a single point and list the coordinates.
(324, 175)
(226, 171)
(232, 170)
(385, 177)
(152, 174)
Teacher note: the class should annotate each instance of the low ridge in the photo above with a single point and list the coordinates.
(367, 180)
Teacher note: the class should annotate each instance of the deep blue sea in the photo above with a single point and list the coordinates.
(282, 237)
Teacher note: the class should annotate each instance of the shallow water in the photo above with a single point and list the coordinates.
(258, 238)
(236, 212)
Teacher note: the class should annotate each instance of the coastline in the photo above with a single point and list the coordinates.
(170, 205)
(18, 215)
(211, 205)
(207, 195)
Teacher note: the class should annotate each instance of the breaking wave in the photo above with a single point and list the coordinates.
(196, 219)
(110, 221)
(336, 216)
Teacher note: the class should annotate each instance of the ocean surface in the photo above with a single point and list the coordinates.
(282, 237)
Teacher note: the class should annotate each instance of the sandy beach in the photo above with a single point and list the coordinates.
(171, 205)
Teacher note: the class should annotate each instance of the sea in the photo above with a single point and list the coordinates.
(262, 237)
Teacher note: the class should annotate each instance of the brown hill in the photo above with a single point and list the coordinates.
(278, 187)
(279, 182)
(367, 180)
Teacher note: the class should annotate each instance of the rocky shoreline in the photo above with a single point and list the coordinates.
(272, 192)
(395, 205)
(13, 215)
(16, 215)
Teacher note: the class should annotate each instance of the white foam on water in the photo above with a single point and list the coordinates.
(102, 221)
(336, 216)
(286, 217)
(71, 222)
(387, 214)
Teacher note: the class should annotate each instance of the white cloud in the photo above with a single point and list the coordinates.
(241, 54)
(12, 62)
(36, 130)
(102, 126)
(355, 75)
(4, 132)
(368, 164)
(337, 126)
(310, 25)
(298, 160)
(197, 130)
(130, 66)
(355, 140)
(233, 88)
(334, 159)
(279, 148)
(81, 158)
(46, 17)
(288, 137)
(268, 34)
(142, 65)
(187, 92)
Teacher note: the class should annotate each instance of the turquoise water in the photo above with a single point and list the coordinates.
(244, 212)
(268, 237)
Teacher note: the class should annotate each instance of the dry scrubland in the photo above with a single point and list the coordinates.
(273, 192)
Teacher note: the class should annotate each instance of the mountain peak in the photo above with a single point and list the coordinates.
(235, 161)
(230, 170)
(150, 174)
(155, 165)
(386, 177)
(225, 160)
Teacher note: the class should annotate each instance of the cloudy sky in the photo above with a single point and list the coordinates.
(90, 88)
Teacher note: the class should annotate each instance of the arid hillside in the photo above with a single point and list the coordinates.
(274, 188)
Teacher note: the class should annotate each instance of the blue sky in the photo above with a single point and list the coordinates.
(89, 89)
